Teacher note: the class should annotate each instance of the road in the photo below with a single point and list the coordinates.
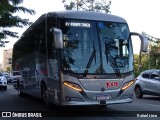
(11, 102)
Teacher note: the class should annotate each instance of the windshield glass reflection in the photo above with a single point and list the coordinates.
(80, 47)
(96, 47)
(116, 47)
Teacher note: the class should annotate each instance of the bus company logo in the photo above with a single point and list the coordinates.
(111, 84)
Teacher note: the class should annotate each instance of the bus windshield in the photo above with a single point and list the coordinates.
(96, 47)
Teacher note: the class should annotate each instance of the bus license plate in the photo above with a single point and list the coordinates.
(102, 97)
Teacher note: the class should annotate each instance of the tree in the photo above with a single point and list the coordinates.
(150, 60)
(88, 5)
(8, 19)
(154, 56)
(153, 52)
(144, 63)
(8, 69)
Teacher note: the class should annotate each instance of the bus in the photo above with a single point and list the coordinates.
(71, 58)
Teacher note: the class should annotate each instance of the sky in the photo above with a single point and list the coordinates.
(141, 15)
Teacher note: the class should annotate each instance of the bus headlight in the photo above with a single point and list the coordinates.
(72, 85)
(127, 85)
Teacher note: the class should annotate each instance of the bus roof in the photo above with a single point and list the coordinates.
(71, 14)
(87, 15)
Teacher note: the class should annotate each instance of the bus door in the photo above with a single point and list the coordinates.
(53, 79)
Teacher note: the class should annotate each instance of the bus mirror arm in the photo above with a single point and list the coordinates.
(57, 37)
(144, 41)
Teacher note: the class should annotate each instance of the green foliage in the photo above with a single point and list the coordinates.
(144, 63)
(8, 19)
(150, 60)
(154, 56)
(88, 5)
(8, 69)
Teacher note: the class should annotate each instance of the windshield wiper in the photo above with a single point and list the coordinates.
(112, 61)
(93, 55)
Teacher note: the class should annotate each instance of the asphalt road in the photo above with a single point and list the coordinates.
(147, 108)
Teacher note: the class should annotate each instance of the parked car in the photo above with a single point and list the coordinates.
(15, 76)
(7, 76)
(148, 83)
(3, 82)
(9, 79)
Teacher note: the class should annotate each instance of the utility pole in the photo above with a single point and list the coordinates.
(77, 4)
(92, 5)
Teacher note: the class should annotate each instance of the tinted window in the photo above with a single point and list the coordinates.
(154, 74)
(145, 75)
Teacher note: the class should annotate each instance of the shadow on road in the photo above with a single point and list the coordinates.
(157, 98)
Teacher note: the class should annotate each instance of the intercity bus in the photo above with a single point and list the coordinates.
(71, 58)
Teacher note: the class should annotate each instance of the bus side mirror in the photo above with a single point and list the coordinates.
(58, 41)
(143, 48)
(144, 41)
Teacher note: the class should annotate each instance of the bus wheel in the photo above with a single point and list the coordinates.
(45, 95)
(19, 89)
(20, 93)
(138, 92)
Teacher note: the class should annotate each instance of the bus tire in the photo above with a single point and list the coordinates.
(19, 89)
(44, 94)
(138, 92)
(20, 94)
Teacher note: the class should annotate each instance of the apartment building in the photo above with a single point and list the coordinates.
(7, 55)
(0, 67)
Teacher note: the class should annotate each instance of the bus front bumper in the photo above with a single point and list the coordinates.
(71, 97)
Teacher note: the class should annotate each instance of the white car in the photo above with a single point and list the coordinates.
(3, 82)
(15, 76)
(7, 76)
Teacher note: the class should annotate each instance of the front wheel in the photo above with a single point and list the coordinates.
(45, 97)
(138, 92)
(19, 89)
(20, 94)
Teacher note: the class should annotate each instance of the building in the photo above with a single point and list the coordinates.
(7, 57)
(0, 67)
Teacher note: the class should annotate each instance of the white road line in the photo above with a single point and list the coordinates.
(154, 105)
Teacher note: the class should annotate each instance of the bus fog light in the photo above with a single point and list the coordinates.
(127, 85)
(72, 85)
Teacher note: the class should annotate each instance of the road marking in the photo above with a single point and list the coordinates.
(154, 105)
